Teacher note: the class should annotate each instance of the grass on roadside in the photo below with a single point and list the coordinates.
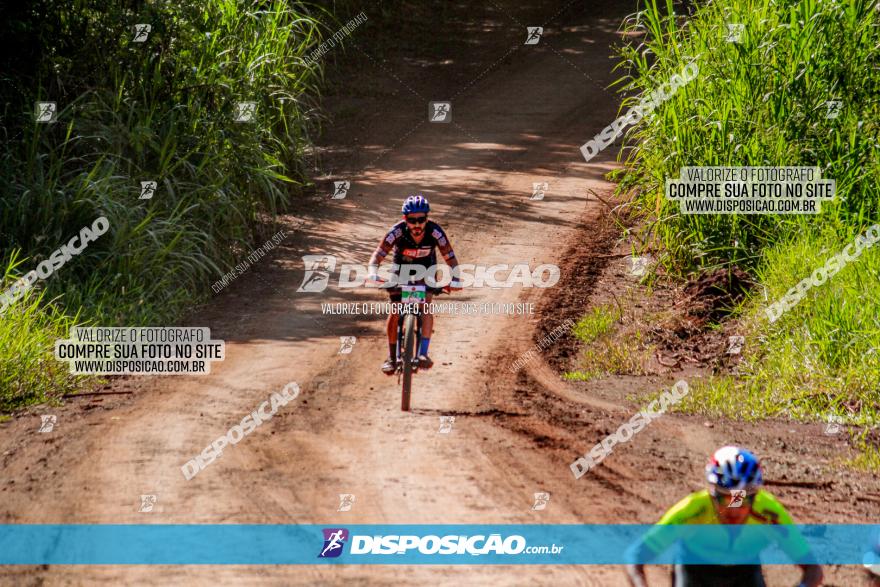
(817, 362)
(604, 353)
(164, 111)
(762, 101)
(28, 369)
(597, 322)
(819, 359)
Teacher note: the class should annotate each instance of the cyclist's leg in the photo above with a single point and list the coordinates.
(427, 328)
(698, 576)
(757, 577)
(391, 324)
(686, 576)
(391, 330)
(718, 576)
(427, 318)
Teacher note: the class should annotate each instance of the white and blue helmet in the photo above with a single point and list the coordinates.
(734, 468)
(415, 204)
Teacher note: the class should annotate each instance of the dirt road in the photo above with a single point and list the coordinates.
(519, 121)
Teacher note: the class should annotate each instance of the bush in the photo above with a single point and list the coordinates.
(160, 110)
(757, 102)
(762, 102)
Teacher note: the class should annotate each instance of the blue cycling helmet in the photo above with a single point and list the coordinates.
(732, 467)
(415, 204)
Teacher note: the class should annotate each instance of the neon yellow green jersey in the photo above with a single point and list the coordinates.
(698, 508)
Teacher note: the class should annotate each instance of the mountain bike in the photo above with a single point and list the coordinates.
(409, 333)
(409, 337)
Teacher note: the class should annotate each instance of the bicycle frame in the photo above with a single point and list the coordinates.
(409, 338)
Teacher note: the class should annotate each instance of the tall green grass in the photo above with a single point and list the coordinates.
(28, 331)
(762, 102)
(129, 112)
(757, 102)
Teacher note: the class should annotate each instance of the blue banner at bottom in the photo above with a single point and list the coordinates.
(484, 544)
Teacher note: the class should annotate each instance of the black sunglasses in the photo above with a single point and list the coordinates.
(419, 220)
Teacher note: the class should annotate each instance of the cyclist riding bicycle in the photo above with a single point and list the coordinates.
(734, 497)
(413, 241)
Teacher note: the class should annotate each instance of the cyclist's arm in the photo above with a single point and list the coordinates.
(812, 575)
(798, 549)
(792, 542)
(656, 541)
(642, 550)
(386, 245)
(636, 575)
(448, 254)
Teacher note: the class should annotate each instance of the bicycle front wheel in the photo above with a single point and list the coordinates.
(409, 343)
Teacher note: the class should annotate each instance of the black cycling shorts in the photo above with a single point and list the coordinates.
(718, 576)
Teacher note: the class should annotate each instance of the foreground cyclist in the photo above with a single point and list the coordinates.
(413, 241)
(730, 471)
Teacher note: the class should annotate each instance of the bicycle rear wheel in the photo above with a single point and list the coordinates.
(409, 343)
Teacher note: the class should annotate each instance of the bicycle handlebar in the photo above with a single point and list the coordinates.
(379, 281)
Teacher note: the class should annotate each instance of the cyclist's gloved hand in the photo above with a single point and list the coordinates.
(373, 278)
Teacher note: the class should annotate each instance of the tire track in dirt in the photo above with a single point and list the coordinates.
(514, 434)
(345, 434)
